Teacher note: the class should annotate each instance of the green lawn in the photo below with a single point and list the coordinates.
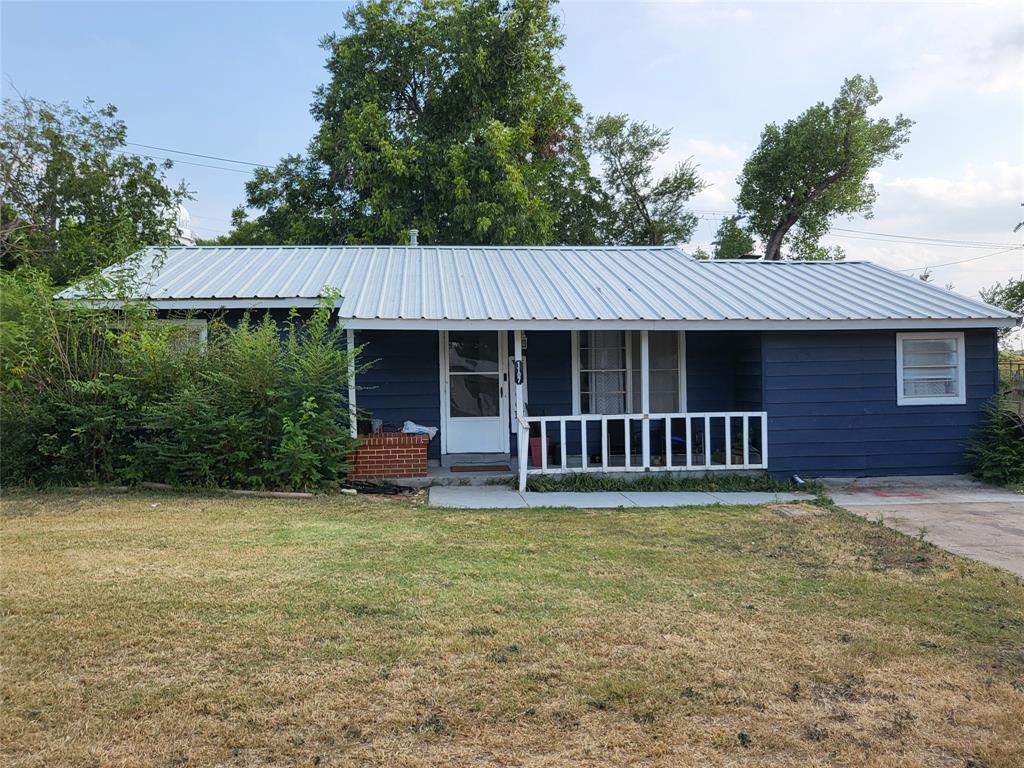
(181, 630)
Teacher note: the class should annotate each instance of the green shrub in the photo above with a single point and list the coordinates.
(94, 395)
(657, 481)
(997, 451)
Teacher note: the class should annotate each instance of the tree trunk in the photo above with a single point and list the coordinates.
(773, 248)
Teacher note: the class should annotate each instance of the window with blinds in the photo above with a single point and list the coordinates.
(930, 368)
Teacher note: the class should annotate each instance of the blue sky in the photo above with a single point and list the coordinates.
(235, 79)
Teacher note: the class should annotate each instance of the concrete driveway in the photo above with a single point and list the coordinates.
(956, 512)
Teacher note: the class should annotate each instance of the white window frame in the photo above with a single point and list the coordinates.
(961, 363)
(681, 342)
(193, 322)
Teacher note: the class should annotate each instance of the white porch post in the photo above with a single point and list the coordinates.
(350, 337)
(522, 432)
(645, 397)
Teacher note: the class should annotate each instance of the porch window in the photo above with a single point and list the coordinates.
(608, 365)
(603, 371)
(930, 369)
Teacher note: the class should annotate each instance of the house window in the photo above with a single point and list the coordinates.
(187, 333)
(930, 369)
(663, 353)
(603, 371)
(608, 379)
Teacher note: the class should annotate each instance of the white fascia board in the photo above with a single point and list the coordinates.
(562, 325)
(674, 325)
(214, 304)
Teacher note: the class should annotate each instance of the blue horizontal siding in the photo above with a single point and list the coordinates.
(549, 378)
(723, 371)
(403, 380)
(831, 402)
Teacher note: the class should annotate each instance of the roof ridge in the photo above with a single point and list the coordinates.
(424, 247)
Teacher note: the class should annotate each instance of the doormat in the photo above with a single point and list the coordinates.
(481, 468)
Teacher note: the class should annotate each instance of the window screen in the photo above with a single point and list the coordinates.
(930, 368)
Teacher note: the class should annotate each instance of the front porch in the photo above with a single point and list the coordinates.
(552, 401)
(629, 414)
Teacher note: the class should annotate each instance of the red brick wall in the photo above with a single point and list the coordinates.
(389, 454)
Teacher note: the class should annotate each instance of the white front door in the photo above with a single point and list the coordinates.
(473, 403)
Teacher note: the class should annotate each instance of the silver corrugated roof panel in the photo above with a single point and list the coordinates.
(545, 284)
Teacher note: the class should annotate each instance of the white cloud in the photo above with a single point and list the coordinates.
(956, 62)
(1001, 183)
(718, 165)
(703, 149)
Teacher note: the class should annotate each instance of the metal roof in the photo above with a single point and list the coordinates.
(398, 286)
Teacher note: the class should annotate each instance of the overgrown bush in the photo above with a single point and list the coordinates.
(99, 395)
(997, 451)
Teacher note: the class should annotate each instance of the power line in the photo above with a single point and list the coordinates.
(183, 162)
(963, 261)
(968, 246)
(197, 154)
(937, 240)
(885, 237)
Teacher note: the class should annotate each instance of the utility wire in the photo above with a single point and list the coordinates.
(880, 236)
(967, 246)
(944, 240)
(962, 261)
(196, 154)
(183, 162)
(856, 234)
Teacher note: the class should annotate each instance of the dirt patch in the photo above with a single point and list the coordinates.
(796, 511)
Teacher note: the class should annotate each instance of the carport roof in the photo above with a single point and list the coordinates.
(451, 286)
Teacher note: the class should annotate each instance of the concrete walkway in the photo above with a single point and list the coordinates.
(956, 512)
(503, 497)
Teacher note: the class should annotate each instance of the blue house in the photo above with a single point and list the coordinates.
(630, 359)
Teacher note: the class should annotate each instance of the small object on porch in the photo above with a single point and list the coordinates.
(535, 450)
(412, 428)
(554, 452)
(376, 426)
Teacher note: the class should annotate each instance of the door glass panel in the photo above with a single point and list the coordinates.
(473, 395)
(473, 351)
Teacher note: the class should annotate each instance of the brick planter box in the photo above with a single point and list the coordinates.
(389, 455)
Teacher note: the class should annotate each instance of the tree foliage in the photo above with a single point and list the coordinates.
(636, 207)
(94, 394)
(450, 117)
(1009, 296)
(72, 200)
(814, 168)
(732, 241)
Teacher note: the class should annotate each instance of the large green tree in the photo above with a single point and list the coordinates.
(636, 205)
(732, 241)
(452, 117)
(811, 169)
(72, 200)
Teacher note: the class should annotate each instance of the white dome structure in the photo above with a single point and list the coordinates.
(183, 219)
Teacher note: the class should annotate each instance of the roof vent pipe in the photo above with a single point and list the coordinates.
(414, 237)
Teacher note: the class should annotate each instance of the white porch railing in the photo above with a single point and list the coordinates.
(636, 442)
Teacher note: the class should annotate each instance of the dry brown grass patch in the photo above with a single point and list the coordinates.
(171, 630)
